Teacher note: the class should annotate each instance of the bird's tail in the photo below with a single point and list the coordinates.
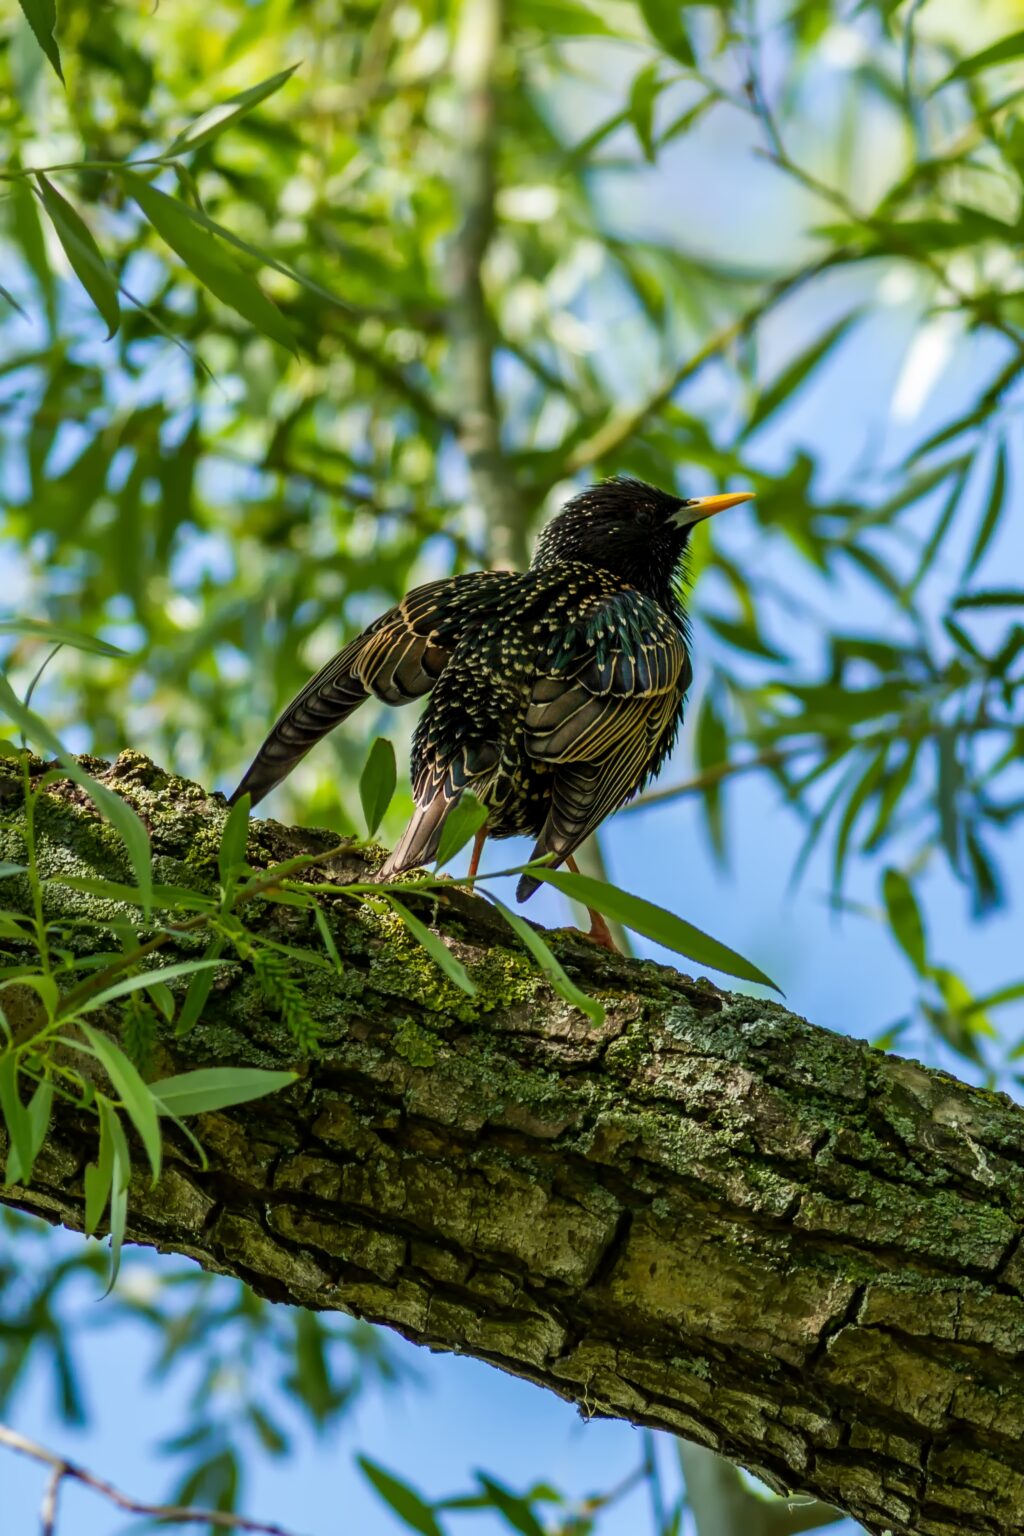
(327, 700)
(419, 842)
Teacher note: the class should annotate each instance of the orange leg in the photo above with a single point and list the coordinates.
(599, 930)
(478, 848)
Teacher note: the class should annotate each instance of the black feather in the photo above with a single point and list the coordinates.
(556, 693)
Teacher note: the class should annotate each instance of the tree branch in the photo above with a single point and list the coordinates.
(166, 1514)
(707, 1215)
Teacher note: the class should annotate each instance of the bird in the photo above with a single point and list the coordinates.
(556, 693)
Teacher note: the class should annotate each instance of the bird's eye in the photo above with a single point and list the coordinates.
(645, 517)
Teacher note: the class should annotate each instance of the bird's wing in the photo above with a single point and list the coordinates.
(398, 658)
(609, 691)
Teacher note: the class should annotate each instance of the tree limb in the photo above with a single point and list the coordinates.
(707, 1216)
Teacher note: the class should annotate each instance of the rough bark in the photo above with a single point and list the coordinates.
(708, 1215)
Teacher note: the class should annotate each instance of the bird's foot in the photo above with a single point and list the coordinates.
(600, 933)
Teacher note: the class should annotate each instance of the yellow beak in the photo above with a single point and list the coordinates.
(700, 507)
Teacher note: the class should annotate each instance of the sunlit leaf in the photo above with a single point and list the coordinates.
(16, 1119)
(791, 377)
(233, 841)
(1007, 49)
(534, 942)
(99, 1174)
(83, 253)
(377, 783)
(461, 824)
(141, 983)
(516, 1509)
(134, 1094)
(216, 119)
(210, 1088)
(59, 634)
(41, 16)
(643, 97)
(199, 989)
(905, 918)
(991, 515)
(209, 262)
(653, 922)
(711, 748)
(407, 1504)
(664, 19)
(435, 947)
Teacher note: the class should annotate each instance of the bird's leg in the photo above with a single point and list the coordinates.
(599, 930)
(478, 848)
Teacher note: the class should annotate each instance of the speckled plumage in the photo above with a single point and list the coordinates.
(556, 694)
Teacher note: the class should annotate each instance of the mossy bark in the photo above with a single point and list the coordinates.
(708, 1215)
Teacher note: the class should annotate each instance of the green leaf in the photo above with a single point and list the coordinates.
(117, 811)
(950, 778)
(327, 936)
(141, 983)
(165, 896)
(643, 97)
(134, 1094)
(1007, 48)
(905, 918)
(215, 119)
(233, 841)
(560, 18)
(8, 297)
(210, 1088)
(461, 824)
(11, 869)
(83, 253)
(209, 263)
(547, 962)
(98, 1175)
(990, 517)
(790, 379)
(664, 20)
(41, 16)
(406, 1503)
(40, 1107)
(121, 1176)
(512, 1506)
(653, 922)
(435, 947)
(16, 1119)
(44, 986)
(60, 635)
(711, 748)
(377, 783)
(994, 597)
(27, 228)
(199, 989)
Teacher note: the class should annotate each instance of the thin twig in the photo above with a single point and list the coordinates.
(48, 1509)
(168, 1514)
(714, 775)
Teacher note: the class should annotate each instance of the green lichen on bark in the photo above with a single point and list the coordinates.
(706, 1214)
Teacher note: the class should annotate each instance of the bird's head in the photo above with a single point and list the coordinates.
(631, 529)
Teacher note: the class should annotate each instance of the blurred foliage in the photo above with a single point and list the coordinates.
(277, 439)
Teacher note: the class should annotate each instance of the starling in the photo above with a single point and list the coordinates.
(556, 694)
